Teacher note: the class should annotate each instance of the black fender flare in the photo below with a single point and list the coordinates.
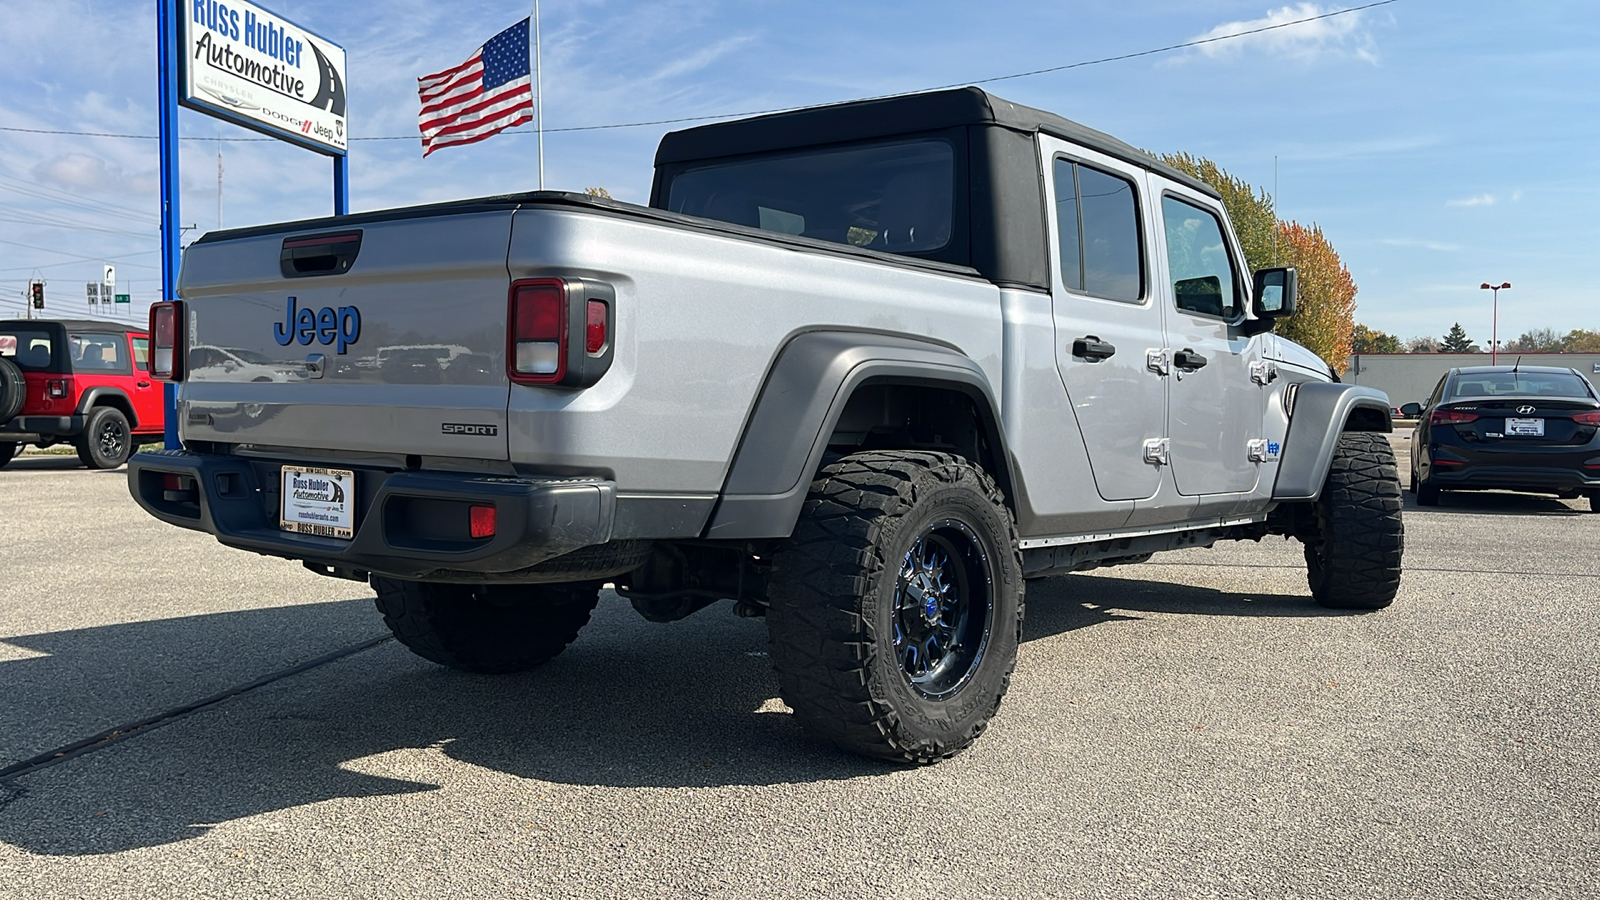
(108, 396)
(805, 392)
(1320, 412)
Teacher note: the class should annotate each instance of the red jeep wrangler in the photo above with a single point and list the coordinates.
(79, 382)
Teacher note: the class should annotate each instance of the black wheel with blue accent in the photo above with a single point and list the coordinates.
(896, 605)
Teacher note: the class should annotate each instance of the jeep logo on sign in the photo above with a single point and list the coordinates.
(459, 428)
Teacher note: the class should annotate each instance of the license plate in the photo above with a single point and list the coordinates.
(1525, 427)
(319, 501)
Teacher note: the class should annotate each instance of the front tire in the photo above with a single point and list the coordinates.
(106, 442)
(896, 606)
(489, 629)
(1353, 561)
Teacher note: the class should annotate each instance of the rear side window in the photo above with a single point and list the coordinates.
(1097, 217)
(141, 354)
(897, 197)
(1521, 384)
(1197, 258)
(32, 351)
(98, 352)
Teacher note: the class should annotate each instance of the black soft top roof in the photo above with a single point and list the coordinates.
(907, 114)
(72, 325)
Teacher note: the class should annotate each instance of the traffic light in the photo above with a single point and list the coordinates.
(36, 291)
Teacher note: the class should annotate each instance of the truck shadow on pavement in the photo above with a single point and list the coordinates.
(686, 705)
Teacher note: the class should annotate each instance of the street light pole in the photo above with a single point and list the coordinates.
(1494, 337)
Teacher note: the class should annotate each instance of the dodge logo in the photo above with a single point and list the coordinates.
(1524, 410)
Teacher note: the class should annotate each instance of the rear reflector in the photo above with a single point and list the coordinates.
(1451, 417)
(594, 335)
(483, 521)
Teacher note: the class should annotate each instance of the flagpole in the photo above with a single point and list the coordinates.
(538, 92)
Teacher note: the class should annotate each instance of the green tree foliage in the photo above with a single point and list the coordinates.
(1539, 340)
(1326, 300)
(1325, 316)
(1456, 341)
(1250, 210)
(1370, 340)
(1580, 341)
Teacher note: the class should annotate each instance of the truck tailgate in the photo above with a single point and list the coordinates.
(384, 336)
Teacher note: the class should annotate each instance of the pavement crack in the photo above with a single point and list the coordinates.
(9, 791)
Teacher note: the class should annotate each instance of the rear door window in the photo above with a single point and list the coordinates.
(1097, 217)
(32, 351)
(141, 354)
(94, 352)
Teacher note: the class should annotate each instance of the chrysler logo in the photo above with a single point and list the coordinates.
(1524, 410)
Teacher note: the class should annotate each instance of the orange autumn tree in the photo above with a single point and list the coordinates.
(1325, 317)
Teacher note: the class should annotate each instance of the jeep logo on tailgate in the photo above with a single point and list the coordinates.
(325, 326)
(459, 428)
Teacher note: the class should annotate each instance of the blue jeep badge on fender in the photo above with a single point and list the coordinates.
(326, 326)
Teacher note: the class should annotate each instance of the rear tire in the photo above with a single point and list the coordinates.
(489, 629)
(106, 442)
(8, 452)
(1353, 562)
(896, 606)
(1427, 494)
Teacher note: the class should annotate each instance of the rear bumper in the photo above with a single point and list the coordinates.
(404, 521)
(1457, 466)
(33, 429)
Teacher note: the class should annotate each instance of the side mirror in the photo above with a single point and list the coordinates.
(1411, 410)
(1272, 298)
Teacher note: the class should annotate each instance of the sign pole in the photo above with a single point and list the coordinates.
(167, 12)
(341, 185)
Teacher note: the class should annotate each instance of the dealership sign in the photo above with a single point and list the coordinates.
(257, 69)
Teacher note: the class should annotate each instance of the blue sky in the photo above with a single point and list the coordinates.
(1439, 143)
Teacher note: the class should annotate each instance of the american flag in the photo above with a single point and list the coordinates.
(485, 95)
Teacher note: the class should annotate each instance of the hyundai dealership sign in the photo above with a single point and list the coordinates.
(257, 69)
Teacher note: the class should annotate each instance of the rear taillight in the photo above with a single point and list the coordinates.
(1451, 417)
(559, 331)
(539, 331)
(1588, 418)
(57, 388)
(166, 341)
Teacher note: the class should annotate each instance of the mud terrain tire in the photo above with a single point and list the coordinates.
(896, 606)
(1353, 562)
(488, 629)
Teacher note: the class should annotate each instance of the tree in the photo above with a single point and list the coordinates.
(1539, 340)
(1250, 210)
(600, 192)
(1581, 341)
(1325, 317)
(1456, 341)
(1369, 340)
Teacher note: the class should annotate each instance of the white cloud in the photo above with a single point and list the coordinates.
(1341, 35)
(1437, 246)
(1478, 200)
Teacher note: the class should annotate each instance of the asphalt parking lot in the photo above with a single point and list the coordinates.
(1191, 727)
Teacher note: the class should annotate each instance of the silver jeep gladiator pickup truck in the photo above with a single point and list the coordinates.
(862, 369)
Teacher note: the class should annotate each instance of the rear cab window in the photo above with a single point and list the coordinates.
(897, 197)
(1198, 261)
(32, 351)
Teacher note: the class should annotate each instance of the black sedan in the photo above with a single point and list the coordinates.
(1518, 428)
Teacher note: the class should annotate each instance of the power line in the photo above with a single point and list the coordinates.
(762, 112)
